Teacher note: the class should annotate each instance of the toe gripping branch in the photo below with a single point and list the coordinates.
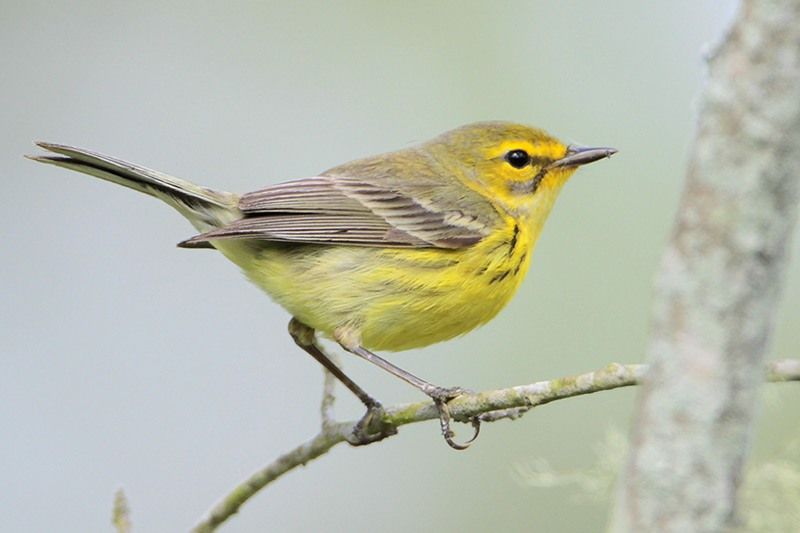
(371, 428)
(448, 434)
(441, 397)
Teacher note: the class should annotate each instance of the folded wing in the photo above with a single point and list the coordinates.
(346, 211)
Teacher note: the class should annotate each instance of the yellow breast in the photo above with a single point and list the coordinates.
(449, 300)
(395, 299)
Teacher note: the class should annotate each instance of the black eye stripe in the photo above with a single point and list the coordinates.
(540, 161)
(520, 158)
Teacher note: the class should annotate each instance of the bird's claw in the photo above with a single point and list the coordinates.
(371, 428)
(441, 396)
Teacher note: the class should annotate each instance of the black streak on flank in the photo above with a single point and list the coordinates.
(513, 244)
(500, 277)
(519, 263)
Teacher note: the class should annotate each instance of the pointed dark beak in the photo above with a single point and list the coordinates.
(582, 155)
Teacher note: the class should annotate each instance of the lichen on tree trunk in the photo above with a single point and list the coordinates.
(719, 284)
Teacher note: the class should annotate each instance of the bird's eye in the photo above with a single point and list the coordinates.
(518, 158)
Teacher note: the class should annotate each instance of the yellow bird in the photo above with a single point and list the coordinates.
(390, 252)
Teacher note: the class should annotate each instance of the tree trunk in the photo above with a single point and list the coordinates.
(720, 279)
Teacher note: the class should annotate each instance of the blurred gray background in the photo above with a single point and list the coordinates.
(127, 362)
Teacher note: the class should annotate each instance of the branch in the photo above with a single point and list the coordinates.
(489, 406)
(719, 283)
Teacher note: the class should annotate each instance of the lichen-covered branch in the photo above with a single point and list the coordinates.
(720, 278)
(490, 405)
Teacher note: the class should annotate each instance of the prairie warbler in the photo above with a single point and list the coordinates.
(389, 252)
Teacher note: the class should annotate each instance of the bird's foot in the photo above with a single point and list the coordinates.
(441, 396)
(371, 428)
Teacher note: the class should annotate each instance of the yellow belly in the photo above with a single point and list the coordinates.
(394, 299)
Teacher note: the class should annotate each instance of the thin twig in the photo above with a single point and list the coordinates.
(328, 397)
(489, 405)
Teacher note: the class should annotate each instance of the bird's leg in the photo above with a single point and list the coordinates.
(439, 395)
(371, 427)
(305, 338)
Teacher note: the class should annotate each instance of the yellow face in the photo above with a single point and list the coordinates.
(510, 163)
(516, 170)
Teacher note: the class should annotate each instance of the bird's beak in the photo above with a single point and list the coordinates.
(582, 155)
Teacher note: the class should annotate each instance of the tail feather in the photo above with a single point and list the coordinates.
(204, 208)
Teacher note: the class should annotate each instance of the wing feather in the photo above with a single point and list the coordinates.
(349, 211)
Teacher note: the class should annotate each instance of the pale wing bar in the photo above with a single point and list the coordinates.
(306, 195)
(333, 210)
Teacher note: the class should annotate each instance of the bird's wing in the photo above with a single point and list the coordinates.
(347, 211)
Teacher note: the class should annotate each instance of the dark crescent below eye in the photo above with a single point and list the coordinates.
(518, 158)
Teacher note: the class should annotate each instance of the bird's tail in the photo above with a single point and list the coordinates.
(204, 208)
